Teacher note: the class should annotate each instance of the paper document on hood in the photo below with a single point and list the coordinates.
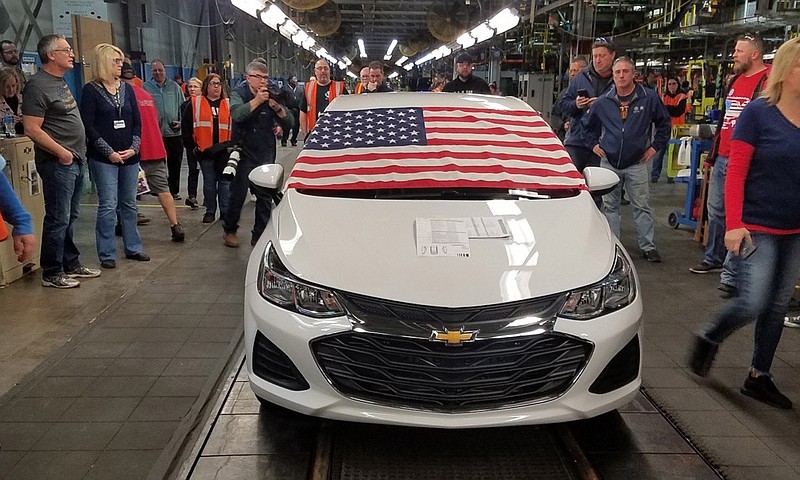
(442, 237)
(487, 227)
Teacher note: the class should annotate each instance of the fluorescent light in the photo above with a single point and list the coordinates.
(273, 17)
(321, 52)
(409, 66)
(361, 48)
(342, 65)
(387, 57)
(308, 43)
(351, 74)
(391, 48)
(400, 62)
(250, 7)
(393, 75)
(505, 20)
(482, 32)
(347, 61)
(299, 37)
(288, 29)
(466, 40)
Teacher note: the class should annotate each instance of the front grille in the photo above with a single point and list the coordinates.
(418, 373)
(271, 364)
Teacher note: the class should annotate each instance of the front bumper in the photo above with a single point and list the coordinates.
(343, 371)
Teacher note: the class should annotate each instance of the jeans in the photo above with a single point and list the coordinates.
(239, 188)
(194, 174)
(116, 192)
(295, 127)
(61, 186)
(716, 254)
(635, 179)
(215, 186)
(658, 163)
(766, 281)
(174, 146)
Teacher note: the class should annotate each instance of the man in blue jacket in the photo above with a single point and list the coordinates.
(618, 129)
(592, 81)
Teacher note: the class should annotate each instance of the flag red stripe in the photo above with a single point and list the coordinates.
(432, 183)
(489, 131)
(473, 119)
(556, 147)
(513, 113)
(411, 169)
(563, 159)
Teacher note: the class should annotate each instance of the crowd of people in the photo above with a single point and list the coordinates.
(123, 126)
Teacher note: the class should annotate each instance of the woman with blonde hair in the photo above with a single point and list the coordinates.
(113, 130)
(762, 203)
(10, 98)
(193, 88)
(206, 131)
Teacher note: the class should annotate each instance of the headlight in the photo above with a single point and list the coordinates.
(615, 291)
(280, 287)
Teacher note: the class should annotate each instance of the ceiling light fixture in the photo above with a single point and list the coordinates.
(401, 61)
(362, 50)
(393, 75)
(250, 7)
(389, 51)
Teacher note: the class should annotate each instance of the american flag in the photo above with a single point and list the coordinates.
(433, 147)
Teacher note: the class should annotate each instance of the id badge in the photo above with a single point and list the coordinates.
(119, 124)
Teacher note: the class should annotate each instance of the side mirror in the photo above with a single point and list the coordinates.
(269, 179)
(599, 180)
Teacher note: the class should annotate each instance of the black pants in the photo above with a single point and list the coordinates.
(295, 127)
(174, 147)
(194, 173)
(238, 194)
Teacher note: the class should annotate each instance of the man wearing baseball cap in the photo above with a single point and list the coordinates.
(466, 82)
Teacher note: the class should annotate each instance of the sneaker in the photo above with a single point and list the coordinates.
(60, 281)
(294, 144)
(283, 144)
(208, 218)
(192, 203)
(83, 272)
(702, 356)
(230, 240)
(139, 257)
(728, 291)
(791, 321)
(141, 219)
(764, 390)
(177, 232)
(654, 180)
(108, 264)
(176, 196)
(652, 256)
(705, 267)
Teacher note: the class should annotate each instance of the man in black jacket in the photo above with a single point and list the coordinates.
(466, 82)
(291, 99)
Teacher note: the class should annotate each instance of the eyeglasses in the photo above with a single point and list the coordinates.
(118, 61)
(260, 77)
(65, 50)
(215, 84)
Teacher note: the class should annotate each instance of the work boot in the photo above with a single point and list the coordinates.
(230, 240)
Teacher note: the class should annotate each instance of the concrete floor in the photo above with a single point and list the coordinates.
(112, 380)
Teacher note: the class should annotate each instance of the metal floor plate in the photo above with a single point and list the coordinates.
(371, 452)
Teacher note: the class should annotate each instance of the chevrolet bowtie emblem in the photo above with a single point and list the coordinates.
(454, 338)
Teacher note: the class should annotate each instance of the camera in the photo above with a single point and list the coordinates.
(233, 162)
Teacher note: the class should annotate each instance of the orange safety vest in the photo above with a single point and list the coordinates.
(671, 101)
(311, 100)
(359, 88)
(3, 230)
(204, 122)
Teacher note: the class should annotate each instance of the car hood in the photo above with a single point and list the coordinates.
(368, 246)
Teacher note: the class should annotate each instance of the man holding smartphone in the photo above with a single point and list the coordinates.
(582, 92)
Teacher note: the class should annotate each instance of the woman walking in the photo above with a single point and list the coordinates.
(763, 225)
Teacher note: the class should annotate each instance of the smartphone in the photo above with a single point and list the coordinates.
(583, 92)
(746, 249)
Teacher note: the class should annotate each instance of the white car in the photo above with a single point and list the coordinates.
(436, 260)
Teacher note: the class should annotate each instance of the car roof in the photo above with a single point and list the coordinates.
(426, 99)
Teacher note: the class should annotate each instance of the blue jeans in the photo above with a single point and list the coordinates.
(636, 180)
(716, 254)
(239, 188)
(766, 281)
(61, 186)
(194, 173)
(116, 192)
(658, 163)
(215, 187)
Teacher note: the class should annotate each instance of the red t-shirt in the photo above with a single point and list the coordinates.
(739, 95)
(152, 146)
